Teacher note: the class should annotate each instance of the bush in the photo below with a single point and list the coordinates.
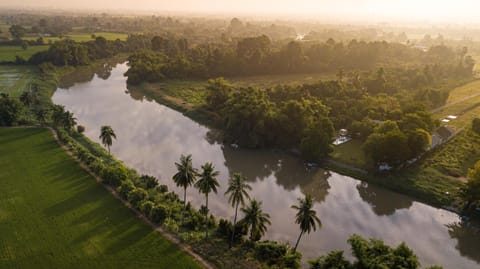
(162, 188)
(146, 207)
(113, 175)
(270, 252)
(80, 129)
(136, 196)
(159, 213)
(147, 182)
(476, 125)
(125, 188)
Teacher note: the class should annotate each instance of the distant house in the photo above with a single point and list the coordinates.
(441, 135)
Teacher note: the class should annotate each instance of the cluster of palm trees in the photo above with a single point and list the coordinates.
(254, 218)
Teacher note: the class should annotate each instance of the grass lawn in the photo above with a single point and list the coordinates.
(8, 53)
(54, 215)
(16, 79)
(350, 153)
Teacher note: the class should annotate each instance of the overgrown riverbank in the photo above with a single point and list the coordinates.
(425, 181)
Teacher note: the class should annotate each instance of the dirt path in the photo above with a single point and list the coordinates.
(454, 103)
(169, 236)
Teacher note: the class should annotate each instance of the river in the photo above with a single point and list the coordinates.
(151, 137)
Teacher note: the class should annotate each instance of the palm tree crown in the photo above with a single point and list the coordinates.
(106, 135)
(237, 188)
(207, 183)
(306, 217)
(255, 219)
(186, 175)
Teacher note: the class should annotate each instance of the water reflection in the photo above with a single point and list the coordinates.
(151, 137)
(383, 203)
(467, 234)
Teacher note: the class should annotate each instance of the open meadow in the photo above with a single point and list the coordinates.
(15, 79)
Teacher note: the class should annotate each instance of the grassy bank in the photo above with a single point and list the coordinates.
(54, 215)
(14, 80)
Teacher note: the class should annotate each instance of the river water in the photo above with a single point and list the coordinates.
(151, 137)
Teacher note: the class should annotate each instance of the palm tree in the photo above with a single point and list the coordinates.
(106, 134)
(207, 183)
(185, 176)
(237, 188)
(255, 219)
(306, 217)
(69, 121)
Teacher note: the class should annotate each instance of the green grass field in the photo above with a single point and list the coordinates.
(54, 215)
(16, 79)
(81, 37)
(463, 102)
(350, 153)
(8, 53)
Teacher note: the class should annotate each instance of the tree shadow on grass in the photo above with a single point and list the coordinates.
(19, 134)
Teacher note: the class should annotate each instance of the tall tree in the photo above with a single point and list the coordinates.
(306, 217)
(470, 192)
(106, 135)
(237, 189)
(255, 220)
(185, 176)
(207, 183)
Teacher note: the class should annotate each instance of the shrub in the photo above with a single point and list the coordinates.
(146, 207)
(125, 188)
(136, 196)
(113, 175)
(270, 252)
(476, 125)
(162, 188)
(147, 182)
(80, 129)
(159, 213)
(171, 225)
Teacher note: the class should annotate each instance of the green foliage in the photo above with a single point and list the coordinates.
(255, 220)
(369, 254)
(332, 260)
(159, 213)
(114, 174)
(9, 110)
(136, 197)
(476, 125)
(106, 135)
(148, 182)
(317, 140)
(125, 188)
(80, 129)
(275, 254)
(470, 192)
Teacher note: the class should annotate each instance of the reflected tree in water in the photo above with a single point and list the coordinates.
(383, 202)
(466, 233)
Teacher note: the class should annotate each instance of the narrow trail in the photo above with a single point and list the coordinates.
(169, 236)
(454, 103)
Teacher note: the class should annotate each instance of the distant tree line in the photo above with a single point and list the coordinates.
(169, 57)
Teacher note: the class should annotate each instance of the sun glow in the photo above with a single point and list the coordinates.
(432, 10)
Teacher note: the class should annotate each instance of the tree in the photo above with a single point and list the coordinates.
(207, 183)
(237, 188)
(306, 217)
(185, 176)
(9, 110)
(106, 135)
(470, 192)
(255, 220)
(27, 98)
(317, 139)
(17, 31)
(369, 254)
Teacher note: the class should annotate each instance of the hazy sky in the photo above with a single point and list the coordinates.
(433, 10)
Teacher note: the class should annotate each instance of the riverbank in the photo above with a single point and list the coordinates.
(422, 181)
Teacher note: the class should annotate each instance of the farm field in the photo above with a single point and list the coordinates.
(8, 53)
(82, 37)
(55, 215)
(463, 102)
(15, 79)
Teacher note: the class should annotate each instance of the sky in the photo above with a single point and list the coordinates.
(420, 10)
